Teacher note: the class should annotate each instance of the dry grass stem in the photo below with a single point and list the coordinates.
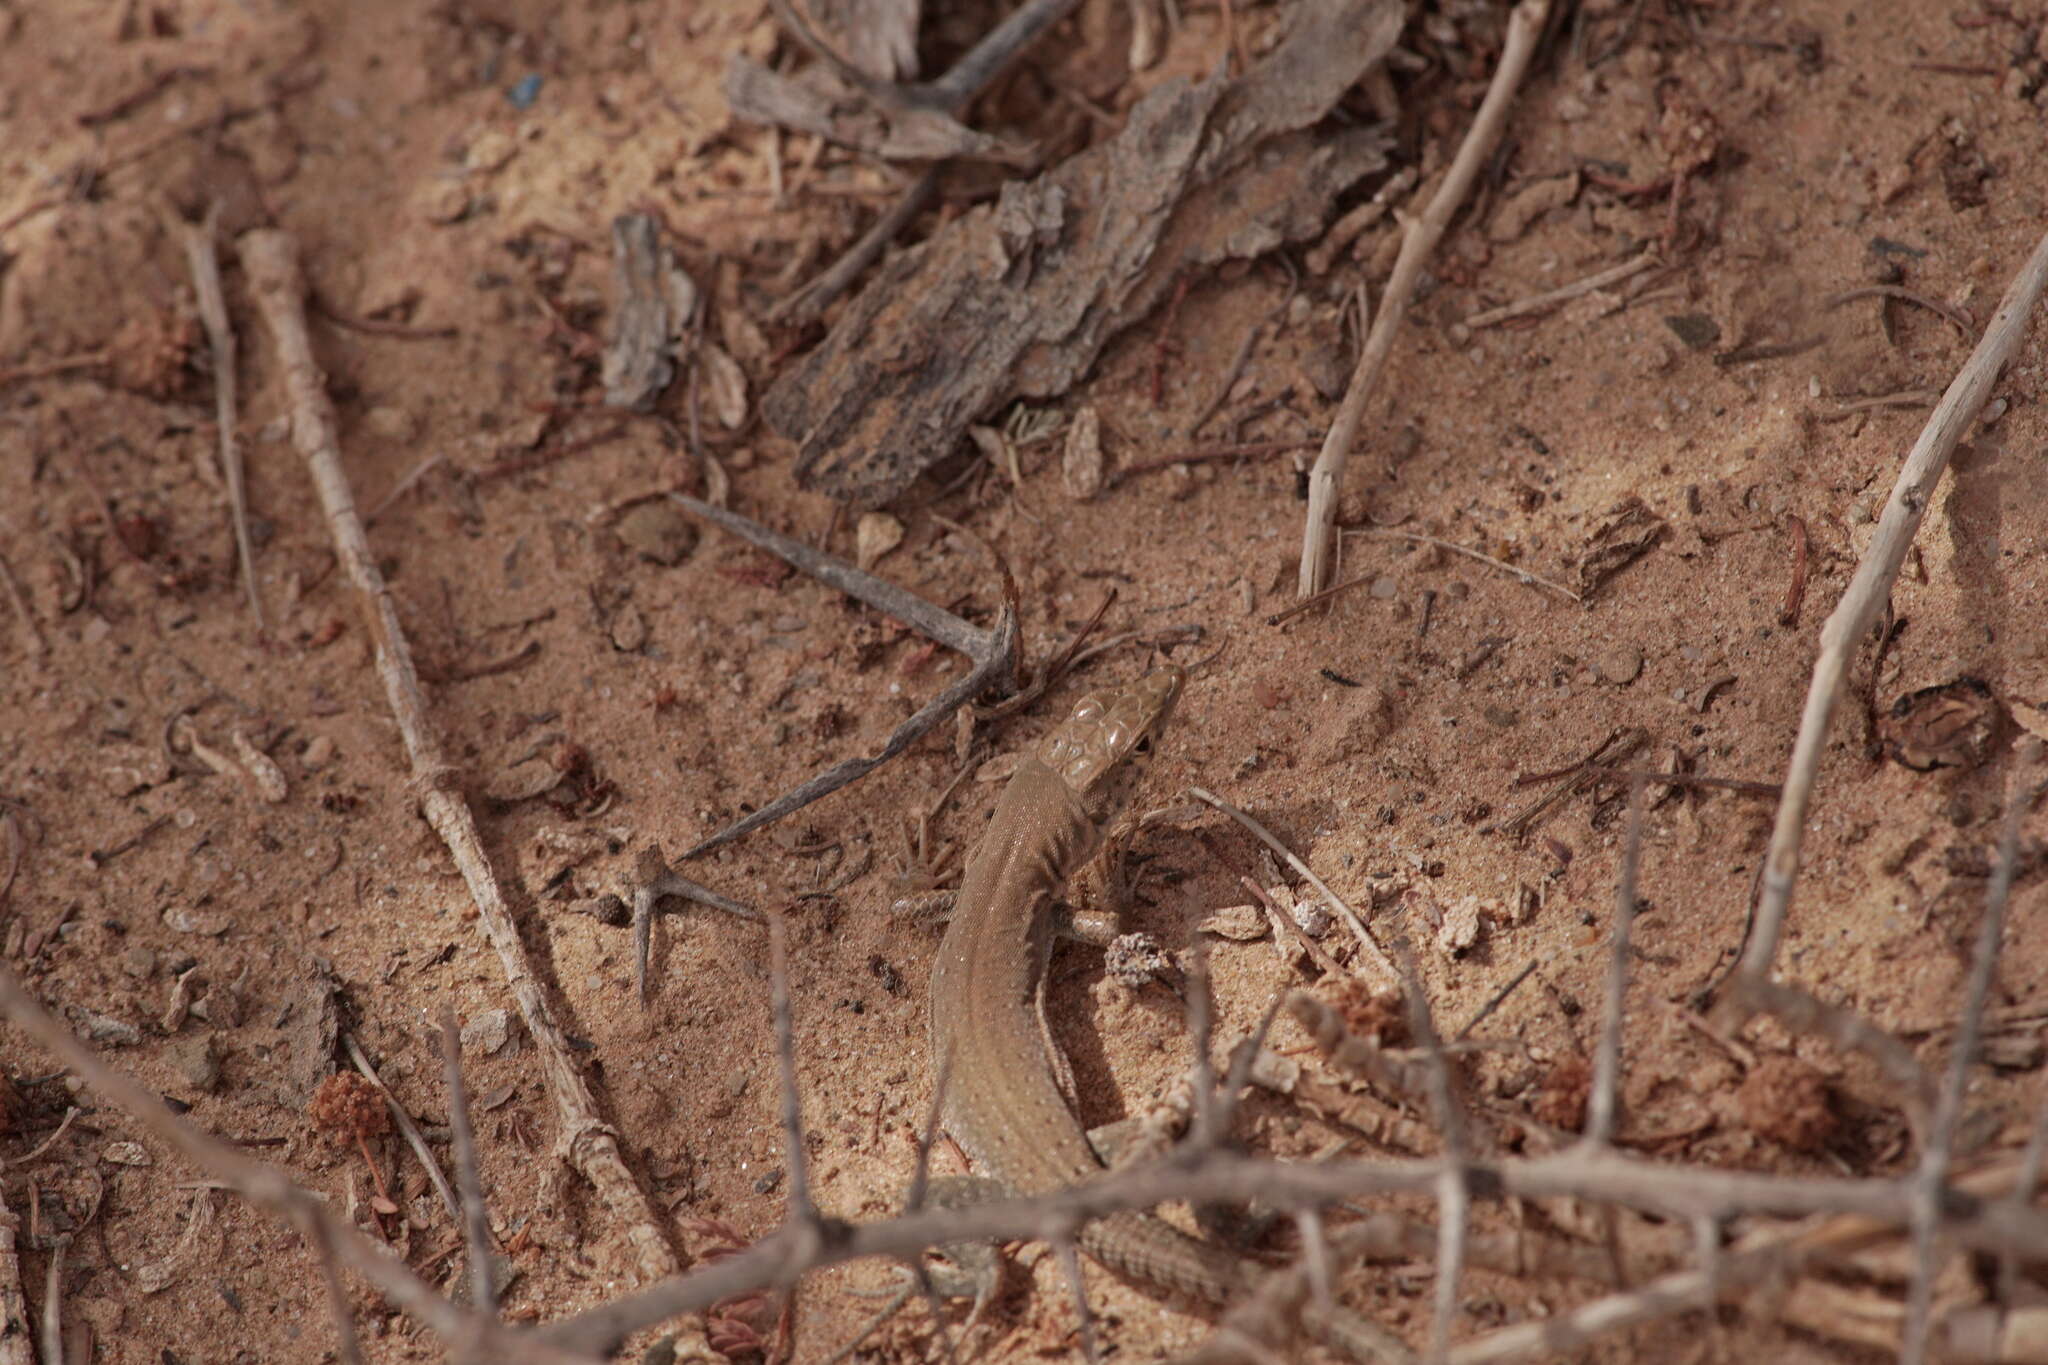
(476, 1218)
(204, 261)
(1536, 303)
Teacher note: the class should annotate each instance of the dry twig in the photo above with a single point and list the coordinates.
(220, 339)
(585, 1141)
(1318, 541)
(1865, 598)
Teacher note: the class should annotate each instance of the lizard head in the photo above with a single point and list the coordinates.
(1095, 748)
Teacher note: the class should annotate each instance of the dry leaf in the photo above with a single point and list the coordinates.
(725, 385)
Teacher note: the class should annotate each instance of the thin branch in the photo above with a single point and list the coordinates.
(1318, 540)
(476, 1217)
(1601, 1106)
(1536, 303)
(585, 1141)
(1683, 1193)
(1865, 598)
(1934, 1162)
(1344, 911)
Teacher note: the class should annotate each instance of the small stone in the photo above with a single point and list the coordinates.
(1620, 665)
(1082, 464)
(1326, 371)
(1238, 923)
(193, 922)
(658, 531)
(1384, 588)
(104, 1028)
(1313, 917)
(126, 1154)
(390, 424)
(1461, 926)
(139, 962)
(874, 536)
(319, 753)
(488, 1033)
(492, 149)
(197, 1059)
(628, 629)
(443, 202)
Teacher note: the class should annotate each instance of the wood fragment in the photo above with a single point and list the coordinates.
(1017, 299)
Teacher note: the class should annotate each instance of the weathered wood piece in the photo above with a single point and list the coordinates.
(1018, 298)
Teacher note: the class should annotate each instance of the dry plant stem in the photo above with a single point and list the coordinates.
(932, 622)
(994, 652)
(585, 1141)
(1601, 1106)
(414, 1138)
(476, 1218)
(1453, 1188)
(1534, 579)
(14, 1347)
(1318, 542)
(1865, 598)
(796, 1155)
(1929, 1181)
(52, 1334)
(1344, 911)
(993, 671)
(220, 339)
(1538, 302)
(269, 1188)
(337, 1295)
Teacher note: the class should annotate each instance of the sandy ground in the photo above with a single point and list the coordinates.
(450, 174)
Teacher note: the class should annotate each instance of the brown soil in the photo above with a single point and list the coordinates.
(1383, 738)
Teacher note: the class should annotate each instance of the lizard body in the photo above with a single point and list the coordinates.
(1003, 1100)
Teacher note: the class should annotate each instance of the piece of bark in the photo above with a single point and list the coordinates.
(653, 299)
(875, 36)
(1018, 298)
(819, 101)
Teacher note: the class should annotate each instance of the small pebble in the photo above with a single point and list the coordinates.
(139, 961)
(1384, 588)
(658, 531)
(319, 753)
(1620, 665)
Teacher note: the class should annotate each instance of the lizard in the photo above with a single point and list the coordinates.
(1002, 1075)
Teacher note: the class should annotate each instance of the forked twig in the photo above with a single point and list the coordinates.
(994, 652)
(1929, 1180)
(1319, 531)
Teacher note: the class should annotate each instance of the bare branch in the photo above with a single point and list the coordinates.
(1864, 599)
